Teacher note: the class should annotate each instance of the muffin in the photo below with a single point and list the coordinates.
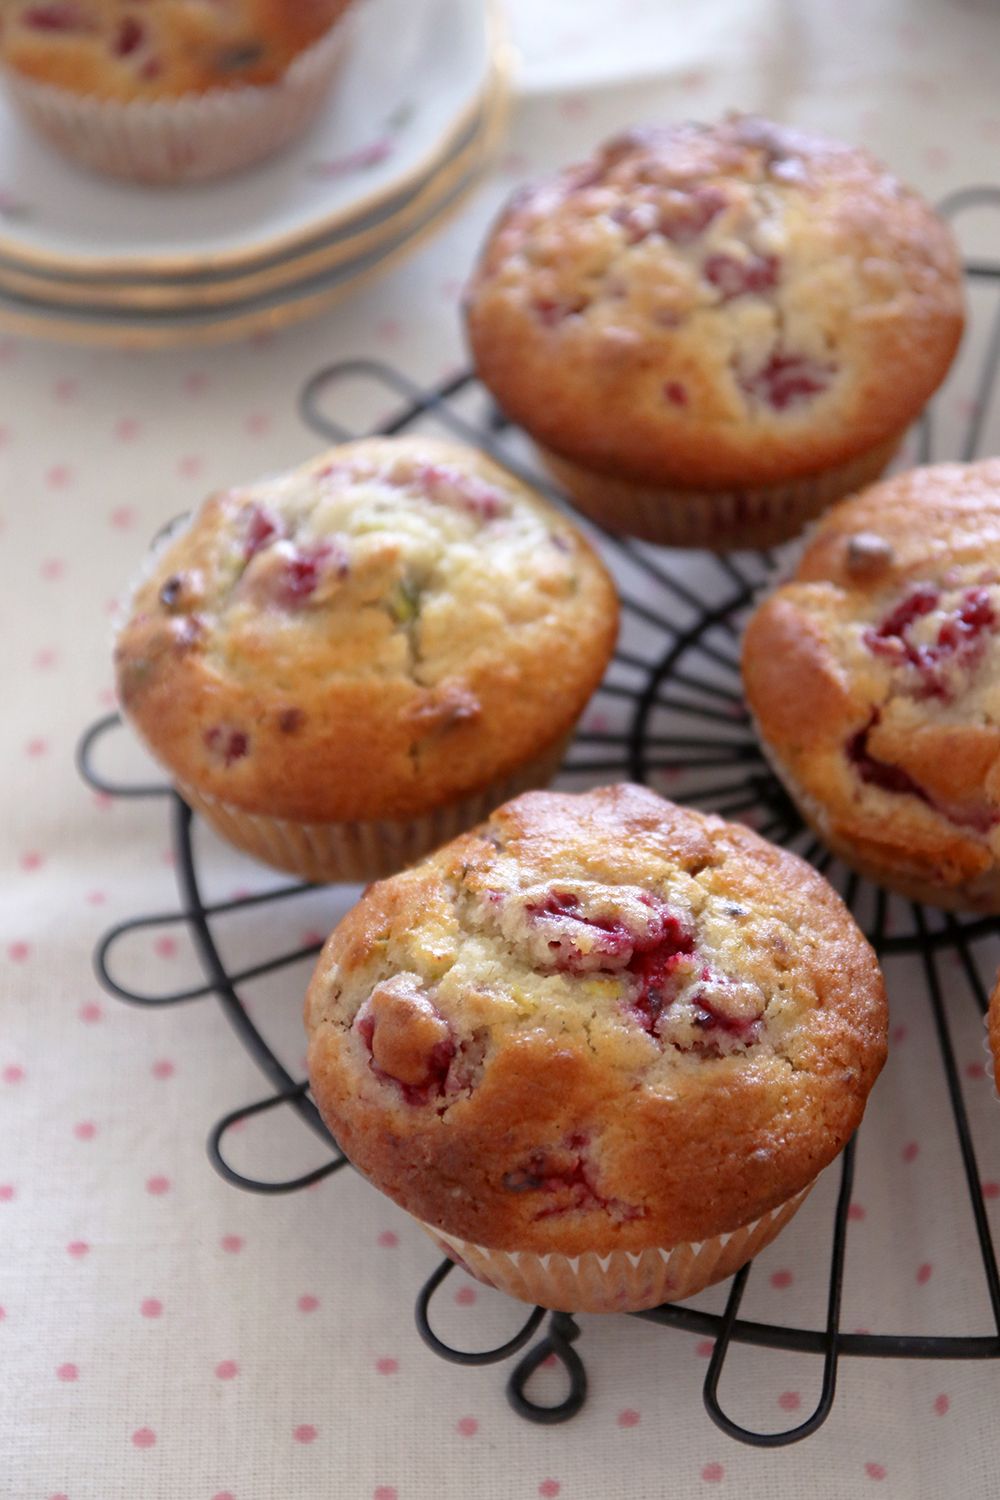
(600, 1047)
(993, 1031)
(713, 331)
(874, 678)
(346, 665)
(169, 90)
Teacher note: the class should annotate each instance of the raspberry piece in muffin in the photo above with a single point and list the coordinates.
(711, 331)
(873, 675)
(596, 1024)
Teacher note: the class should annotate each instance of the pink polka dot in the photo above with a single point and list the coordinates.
(789, 1401)
(856, 1212)
(52, 568)
(165, 947)
(90, 1012)
(127, 429)
(704, 1348)
(151, 1307)
(31, 860)
(385, 1492)
(13, 1073)
(190, 466)
(42, 661)
(95, 898)
(78, 1249)
(307, 1303)
(924, 1273)
(388, 1238)
(6, 1192)
(306, 1433)
(712, 1473)
(66, 389)
(144, 1437)
(232, 1243)
(942, 1404)
(85, 1130)
(991, 1189)
(123, 517)
(898, 1035)
(628, 1418)
(875, 1471)
(781, 1279)
(549, 1488)
(387, 1365)
(257, 423)
(58, 477)
(196, 382)
(36, 747)
(162, 1068)
(911, 1151)
(467, 1426)
(465, 1296)
(975, 1070)
(224, 1495)
(67, 1372)
(157, 1185)
(937, 157)
(18, 952)
(227, 1369)
(388, 330)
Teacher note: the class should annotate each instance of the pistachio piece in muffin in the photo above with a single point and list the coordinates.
(873, 678)
(343, 666)
(713, 330)
(600, 1046)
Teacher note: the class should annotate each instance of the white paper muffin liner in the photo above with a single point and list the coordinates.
(721, 520)
(365, 850)
(188, 139)
(624, 1280)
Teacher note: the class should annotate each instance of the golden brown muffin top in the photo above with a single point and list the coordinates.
(993, 1031)
(596, 1022)
(150, 49)
(874, 675)
(712, 305)
(395, 624)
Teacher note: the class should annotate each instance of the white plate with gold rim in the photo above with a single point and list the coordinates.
(413, 81)
(158, 328)
(191, 294)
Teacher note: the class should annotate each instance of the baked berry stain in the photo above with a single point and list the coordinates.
(960, 643)
(889, 778)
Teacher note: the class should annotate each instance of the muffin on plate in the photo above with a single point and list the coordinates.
(873, 678)
(600, 1047)
(712, 331)
(170, 90)
(346, 665)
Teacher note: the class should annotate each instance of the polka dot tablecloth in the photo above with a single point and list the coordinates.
(164, 1337)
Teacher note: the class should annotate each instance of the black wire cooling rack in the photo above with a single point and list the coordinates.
(674, 688)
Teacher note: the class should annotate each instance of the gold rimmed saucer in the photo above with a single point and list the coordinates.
(404, 107)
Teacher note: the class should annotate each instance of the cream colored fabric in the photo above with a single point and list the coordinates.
(167, 1337)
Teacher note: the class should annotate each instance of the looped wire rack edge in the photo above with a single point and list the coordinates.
(675, 678)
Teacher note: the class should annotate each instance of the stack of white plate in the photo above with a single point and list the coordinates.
(415, 113)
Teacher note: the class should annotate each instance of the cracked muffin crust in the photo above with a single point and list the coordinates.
(395, 627)
(702, 309)
(993, 1031)
(124, 49)
(873, 680)
(598, 1023)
